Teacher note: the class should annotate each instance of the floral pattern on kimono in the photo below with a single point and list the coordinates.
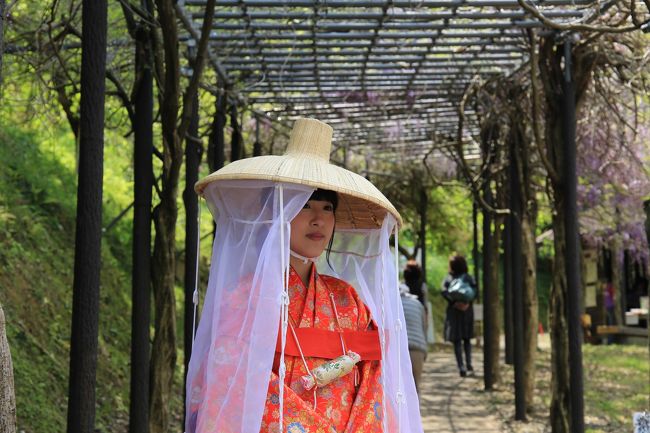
(340, 406)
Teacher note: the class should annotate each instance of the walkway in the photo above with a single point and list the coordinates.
(453, 404)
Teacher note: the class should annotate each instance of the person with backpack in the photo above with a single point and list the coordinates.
(460, 290)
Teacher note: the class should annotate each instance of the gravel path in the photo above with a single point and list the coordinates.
(453, 404)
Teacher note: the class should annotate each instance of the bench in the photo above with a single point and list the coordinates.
(623, 334)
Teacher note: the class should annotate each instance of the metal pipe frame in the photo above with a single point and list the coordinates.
(382, 3)
(361, 65)
(424, 16)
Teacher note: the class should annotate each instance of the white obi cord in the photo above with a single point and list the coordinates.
(284, 314)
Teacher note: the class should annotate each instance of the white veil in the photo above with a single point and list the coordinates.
(236, 339)
(363, 258)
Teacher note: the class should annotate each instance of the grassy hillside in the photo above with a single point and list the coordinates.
(37, 209)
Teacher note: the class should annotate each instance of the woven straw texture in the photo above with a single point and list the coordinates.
(306, 162)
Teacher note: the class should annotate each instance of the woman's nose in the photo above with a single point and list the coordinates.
(317, 219)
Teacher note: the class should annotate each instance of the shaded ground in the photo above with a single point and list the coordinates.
(616, 383)
(452, 404)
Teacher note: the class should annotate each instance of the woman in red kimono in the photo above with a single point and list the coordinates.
(351, 403)
(270, 322)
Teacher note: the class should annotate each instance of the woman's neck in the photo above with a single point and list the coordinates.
(302, 269)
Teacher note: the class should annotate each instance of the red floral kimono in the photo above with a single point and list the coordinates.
(341, 407)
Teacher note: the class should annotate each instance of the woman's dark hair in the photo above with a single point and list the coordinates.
(413, 279)
(457, 265)
(326, 195)
(332, 197)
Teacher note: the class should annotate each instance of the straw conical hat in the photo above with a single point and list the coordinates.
(306, 162)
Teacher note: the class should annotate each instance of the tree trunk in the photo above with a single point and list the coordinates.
(216, 146)
(508, 319)
(559, 332)
(529, 259)
(257, 146)
(552, 76)
(491, 302)
(494, 303)
(531, 313)
(7, 395)
(566, 73)
(88, 234)
(163, 351)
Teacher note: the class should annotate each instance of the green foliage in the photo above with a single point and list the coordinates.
(436, 271)
(37, 209)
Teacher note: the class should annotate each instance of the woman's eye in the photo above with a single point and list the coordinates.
(329, 208)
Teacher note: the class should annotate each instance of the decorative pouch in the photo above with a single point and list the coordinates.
(330, 371)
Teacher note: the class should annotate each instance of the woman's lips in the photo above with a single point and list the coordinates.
(316, 236)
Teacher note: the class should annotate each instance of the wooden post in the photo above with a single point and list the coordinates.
(572, 252)
(193, 151)
(142, 196)
(236, 139)
(88, 233)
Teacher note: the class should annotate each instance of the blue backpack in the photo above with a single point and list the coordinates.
(460, 290)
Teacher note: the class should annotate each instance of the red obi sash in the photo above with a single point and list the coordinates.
(321, 343)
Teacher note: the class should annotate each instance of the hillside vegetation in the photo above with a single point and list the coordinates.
(37, 212)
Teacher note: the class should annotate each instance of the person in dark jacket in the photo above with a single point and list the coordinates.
(459, 319)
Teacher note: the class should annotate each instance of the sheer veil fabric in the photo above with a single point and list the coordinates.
(364, 259)
(241, 317)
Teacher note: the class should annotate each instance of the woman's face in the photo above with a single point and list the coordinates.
(312, 228)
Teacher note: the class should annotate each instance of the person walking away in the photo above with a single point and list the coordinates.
(416, 325)
(459, 318)
(413, 279)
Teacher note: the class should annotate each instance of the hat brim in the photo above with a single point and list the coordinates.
(361, 204)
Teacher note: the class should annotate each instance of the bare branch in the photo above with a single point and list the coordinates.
(536, 103)
(197, 67)
(475, 188)
(121, 94)
(127, 11)
(575, 27)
